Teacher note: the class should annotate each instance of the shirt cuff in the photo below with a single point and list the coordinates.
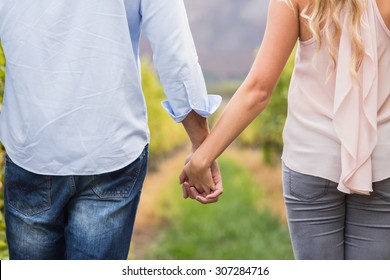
(189, 93)
(214, 101)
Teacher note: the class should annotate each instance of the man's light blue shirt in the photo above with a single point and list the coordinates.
(73, 102)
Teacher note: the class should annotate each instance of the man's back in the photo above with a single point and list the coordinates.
(72, 98)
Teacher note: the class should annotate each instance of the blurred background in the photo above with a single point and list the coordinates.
(249, 220)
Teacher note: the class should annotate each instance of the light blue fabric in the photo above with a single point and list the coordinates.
(73, 101)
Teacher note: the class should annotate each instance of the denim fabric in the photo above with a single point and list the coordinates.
(327, 224)
(72, 217)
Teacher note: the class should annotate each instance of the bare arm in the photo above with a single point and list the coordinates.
(197, 129)
(252, 97)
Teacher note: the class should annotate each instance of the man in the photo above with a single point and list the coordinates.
(74, 121)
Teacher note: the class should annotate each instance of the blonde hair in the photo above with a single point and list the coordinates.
(324, 18)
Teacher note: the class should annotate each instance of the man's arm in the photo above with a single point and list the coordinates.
(165, 24)
(197, 129)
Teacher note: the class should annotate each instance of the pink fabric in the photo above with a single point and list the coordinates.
(358, 105)
(338, 129)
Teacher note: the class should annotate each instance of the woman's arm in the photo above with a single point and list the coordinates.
(252, 97)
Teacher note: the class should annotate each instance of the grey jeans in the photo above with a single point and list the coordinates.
(326, 224)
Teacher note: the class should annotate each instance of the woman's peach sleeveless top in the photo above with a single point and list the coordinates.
(336, 128)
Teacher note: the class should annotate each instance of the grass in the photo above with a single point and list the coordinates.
(237, 227)
(3, 241)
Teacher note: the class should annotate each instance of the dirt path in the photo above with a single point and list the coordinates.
(149, 221)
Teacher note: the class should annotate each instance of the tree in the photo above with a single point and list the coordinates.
(2, 73)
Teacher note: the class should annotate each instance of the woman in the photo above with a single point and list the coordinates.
(336, 138)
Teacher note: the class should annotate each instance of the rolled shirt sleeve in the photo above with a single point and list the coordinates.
(165, 24)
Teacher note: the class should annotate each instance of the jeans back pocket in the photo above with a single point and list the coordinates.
(304, 187)
(26, 192)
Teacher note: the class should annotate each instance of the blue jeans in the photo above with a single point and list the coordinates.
(72, 217)
(326, 224)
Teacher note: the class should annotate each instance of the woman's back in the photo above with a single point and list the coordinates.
(331, 111)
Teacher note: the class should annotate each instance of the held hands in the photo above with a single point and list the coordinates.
(201, 182)
(200, 178)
